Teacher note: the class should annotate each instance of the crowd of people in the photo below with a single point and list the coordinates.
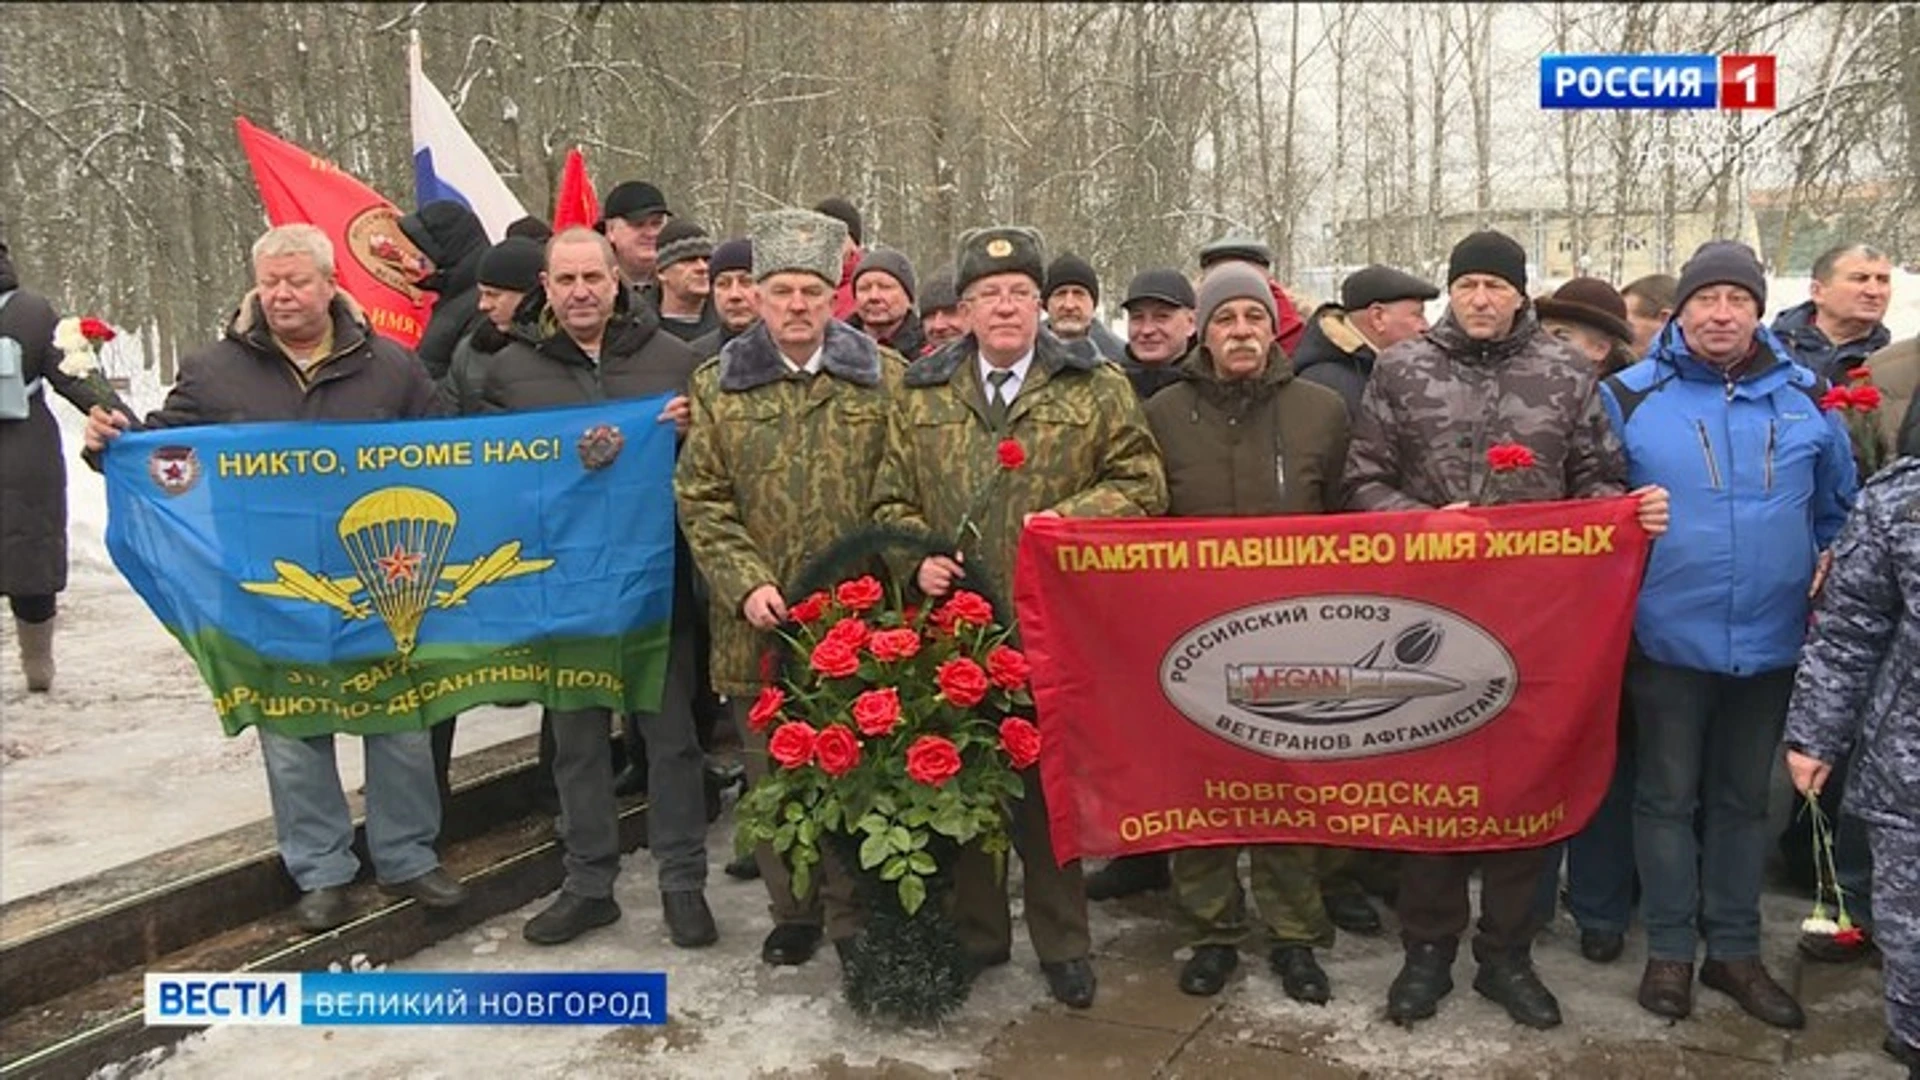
(819, 383)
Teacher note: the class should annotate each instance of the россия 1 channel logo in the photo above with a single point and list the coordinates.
(1656, 82)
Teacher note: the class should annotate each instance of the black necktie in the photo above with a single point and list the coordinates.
(996, 398)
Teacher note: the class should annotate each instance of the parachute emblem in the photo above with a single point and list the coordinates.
(397, 539)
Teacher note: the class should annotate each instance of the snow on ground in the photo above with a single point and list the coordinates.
(126, 758)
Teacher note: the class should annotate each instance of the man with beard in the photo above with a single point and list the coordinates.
(1072, 296)
(1486, 374)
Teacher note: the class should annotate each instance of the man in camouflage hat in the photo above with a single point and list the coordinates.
(1088, 454)
(789, 422)
(1486, 374)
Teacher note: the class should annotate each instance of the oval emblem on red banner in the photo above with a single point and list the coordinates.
(1338, 676)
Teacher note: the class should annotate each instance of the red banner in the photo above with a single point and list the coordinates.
(576, 203)
(372, 259)
(1431, 681)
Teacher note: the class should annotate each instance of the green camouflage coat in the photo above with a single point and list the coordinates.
(1088, 449)
(777, 466)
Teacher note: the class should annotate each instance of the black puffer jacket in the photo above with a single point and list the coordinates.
(453, 237)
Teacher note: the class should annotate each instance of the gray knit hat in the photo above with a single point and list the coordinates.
(1234, 281)
(889, 262)
(798, 240)
(681, 240)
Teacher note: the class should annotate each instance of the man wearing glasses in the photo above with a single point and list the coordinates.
(1089, 453)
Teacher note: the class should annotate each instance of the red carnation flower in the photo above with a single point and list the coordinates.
(932, 760)
(962, 682)
(1866, 398)
(1007, 668)
(859, 594)
(835, 659)
(1836, 398)
(96, 330)
(1509, 457)
(836, 750)
(1859, 374)
(891, 645)
(766, 709)
(1012, 455)
(1849, 935)
(877, 711)
(809, 610)
(1021, 740)
(792, 744)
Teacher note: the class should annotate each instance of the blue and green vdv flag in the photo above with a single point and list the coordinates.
(384, 576)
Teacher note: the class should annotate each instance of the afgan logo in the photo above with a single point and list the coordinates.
(380, 247)
(175, 468)
(397, 539)
(1325, 677)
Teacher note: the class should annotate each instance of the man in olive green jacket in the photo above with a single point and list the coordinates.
(1241, 436)
(1088, 454)
(789, 422)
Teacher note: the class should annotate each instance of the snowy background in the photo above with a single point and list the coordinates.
(125, 758)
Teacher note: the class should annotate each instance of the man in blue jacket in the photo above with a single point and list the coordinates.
(1721, 416)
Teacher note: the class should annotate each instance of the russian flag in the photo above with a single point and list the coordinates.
(447, 164)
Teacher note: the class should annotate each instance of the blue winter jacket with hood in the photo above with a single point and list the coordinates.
(1761, 481)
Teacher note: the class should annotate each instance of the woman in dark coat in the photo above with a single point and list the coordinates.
(33, 478)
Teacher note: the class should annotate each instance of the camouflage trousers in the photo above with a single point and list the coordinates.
(1896, 924)
(1286, 889)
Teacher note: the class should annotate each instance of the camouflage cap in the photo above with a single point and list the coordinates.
(797, 240)
(1002, 249)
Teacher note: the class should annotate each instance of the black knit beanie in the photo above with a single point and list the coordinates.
(1071, 269)
(514, 263)
(1489, 252)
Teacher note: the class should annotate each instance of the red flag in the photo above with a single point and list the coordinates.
(373, 260)
(576, 204)
(1394, 680)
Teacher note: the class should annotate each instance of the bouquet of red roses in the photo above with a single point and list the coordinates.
(903, 732)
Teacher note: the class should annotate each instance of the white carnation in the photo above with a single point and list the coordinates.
(1818, 925)
(68, 338)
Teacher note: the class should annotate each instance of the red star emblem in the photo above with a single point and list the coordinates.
(174, 472)
(400, 564)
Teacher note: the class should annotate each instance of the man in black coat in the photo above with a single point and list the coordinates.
(586, 338)
(1379, 306)
(453, 240)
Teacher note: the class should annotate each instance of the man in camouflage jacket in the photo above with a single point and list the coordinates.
(1486, 374)
(1858, 691)
(789, 422)
(1088, 452)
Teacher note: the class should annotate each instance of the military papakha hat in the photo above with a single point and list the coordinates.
(1002, 249)
(798, 240)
